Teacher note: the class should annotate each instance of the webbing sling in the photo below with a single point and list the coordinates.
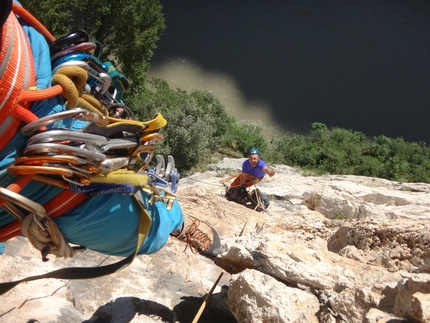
(93, 272)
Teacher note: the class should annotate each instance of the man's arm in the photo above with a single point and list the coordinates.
(269, 171)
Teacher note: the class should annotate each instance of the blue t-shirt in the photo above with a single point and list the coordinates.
(256, 171)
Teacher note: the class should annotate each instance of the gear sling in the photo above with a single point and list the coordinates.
(96, 163)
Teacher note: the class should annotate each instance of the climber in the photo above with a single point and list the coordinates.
(253, 171)
(106, 223)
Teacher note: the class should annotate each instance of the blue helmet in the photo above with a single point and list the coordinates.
(254, 151)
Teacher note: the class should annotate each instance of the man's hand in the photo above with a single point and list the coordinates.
(269, 171)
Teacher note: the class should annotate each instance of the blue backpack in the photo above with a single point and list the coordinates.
(71, 156)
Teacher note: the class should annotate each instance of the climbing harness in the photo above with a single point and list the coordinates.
(234, 192)
(110, 154)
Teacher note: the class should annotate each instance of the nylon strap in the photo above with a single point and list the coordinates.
(93, 272)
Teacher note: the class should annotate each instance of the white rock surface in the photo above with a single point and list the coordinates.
(331, 249)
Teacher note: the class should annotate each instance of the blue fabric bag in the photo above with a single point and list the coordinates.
(105, 223)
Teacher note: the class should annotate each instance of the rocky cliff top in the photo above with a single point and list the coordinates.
(329, 249)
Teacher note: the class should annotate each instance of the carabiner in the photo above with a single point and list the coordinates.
(29, 170)
(36, 149)
(76, 113)
(75, 37)
(152, 138)
(80, 64)
(86, 47)
(22, 201)
(62, 135)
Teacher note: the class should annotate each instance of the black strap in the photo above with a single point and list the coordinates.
(145, 222)
(73, 273)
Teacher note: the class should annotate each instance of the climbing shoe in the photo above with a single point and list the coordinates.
(200, 237)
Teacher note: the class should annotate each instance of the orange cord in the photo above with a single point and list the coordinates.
(32, 21)
(19, 74)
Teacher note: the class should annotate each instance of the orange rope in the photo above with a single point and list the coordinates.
(19, 74)
(32, 21)
(39, 95)
(249, 180)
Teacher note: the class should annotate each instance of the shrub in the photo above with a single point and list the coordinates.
(242, 137)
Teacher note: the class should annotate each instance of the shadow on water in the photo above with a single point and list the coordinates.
(361, 65)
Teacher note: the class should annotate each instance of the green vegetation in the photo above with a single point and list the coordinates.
(341, 151)
(339, 216)
(198, 125)
(127, 30)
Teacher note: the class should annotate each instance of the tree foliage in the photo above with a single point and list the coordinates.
(341, 151)
(127, 29)
(242, 137)
(196, 122)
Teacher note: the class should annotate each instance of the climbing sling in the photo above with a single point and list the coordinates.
(240, 194)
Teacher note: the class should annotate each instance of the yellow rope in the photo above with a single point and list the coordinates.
(120, 176)
(72, 79)
(78, 75)
(229, 178)
(86, 104)
(70, 92)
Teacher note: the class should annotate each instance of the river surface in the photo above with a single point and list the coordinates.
(360, 65)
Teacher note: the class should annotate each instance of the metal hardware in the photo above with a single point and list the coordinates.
(42, 160)
(81, 47)
(61, 135)
(152, 138)
(81, 64)
(64, 149)
(28, 170)
(77, 113)
(22, 201)
(75, 37)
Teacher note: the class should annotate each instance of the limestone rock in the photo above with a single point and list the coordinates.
(377, 316)
(420, 307)
(256, 298)
(330, 249)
